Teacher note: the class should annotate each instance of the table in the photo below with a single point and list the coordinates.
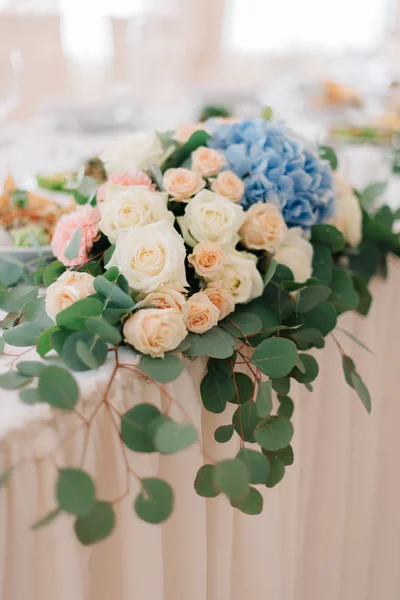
(330, 530)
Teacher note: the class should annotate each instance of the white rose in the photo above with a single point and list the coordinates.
(69, 287)
(155, 331)
(128, 207)
(203, 314)
(150, 256)
(166, 296)
(210, 217)
(241, 277)
(348, 217)
(138, 150)
(264, 227)
(296, 253)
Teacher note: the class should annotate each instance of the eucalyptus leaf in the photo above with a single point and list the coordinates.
(270, 272)
(73, 246)
(232, 478)
(173, 437)
(155, 502)
(52, 272)
(310, 297)
(252, 504)
(328, 153)
(46, 520)
(12, 380)
(224, 433)
(162, 370)
(112, 292)
(277, 472)
(135, 427)
(274, 433)
(275, 357)
(58, 388)
(361, 390)
(103, 329)
(371, 193)
(204, 482)
(29, 396)
(30, 368)
(83, 351)
(75, 491)
(244, 389)
(257, 464)
(241, 324)
(96, 525)
(216, 389)
(25, 334)
(286, 407)
(353, 337)
(264, 398)
(16, 298)
(245, 420)
(327, 235)
(74, 317)
(215, 343)
(44, 343)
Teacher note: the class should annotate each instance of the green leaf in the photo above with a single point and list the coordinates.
(371, 193)
(114, 315)
(277, 472)
(274, 433)
(11, 380)
(5, 477)
(328, 153)
(77, 358)
(75, 492)
(307, 337)
(2, 345)
(215, 343)
(242, 323)
(257, 464)
(155, 502)
(327, 235)
(362, 391)
(44, 343)
(11, 270)
(72, 249)
(310, 297)
(197, 139)
(97, 525)
(223, 433)
(252, 504)
(245, 421)
(264, 398)
(322, 263)
(134, 427)
(216, 388)
(35, 311)
(311, 369)
(29, 396)
(353, 337)
(59, 337)
(281, 385)
(17, 297)
(74, 317)
(156, 175)
(285, 455)
(348, 368)
(46, 520)
(112, 292)
(25, 334)
(322, 317)
(270, 272)
(173, 437)
(245, 389)
(286, 407)
(343, 297)
(52, 272)
(203, 484)
(30, 368)
(162, 370)
(58, 388)
(275, 357)
(102, 328)
(231, 477)
(266, 113)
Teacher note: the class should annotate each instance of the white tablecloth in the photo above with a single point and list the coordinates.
(330, 530)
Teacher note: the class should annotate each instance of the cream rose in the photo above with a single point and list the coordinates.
(128, 207)
(166, 296)
(241, 277)
(69, 287)
(229, 185)
(182, 184)
(348, 217)
(207, 162)
(185, 130)
(207, 259)
(138, 150)
(296, 253)
(203, 314)
(151, 256)
(210, 217)
(221, 298)
(264, 227)
(155, 331)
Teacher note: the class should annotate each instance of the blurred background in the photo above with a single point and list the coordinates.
(74, 73)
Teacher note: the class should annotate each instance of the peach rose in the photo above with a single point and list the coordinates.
(182, 184)
(207, 259)
(203, 314)
(68, 288)
(207, 162)
(229, 185)
(263, 228)
(88, 219)
(185, 130)
(221, 298)
(136, 177)
(166, 296)
(155, 331)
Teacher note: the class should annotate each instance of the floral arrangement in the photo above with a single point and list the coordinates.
(236, 241)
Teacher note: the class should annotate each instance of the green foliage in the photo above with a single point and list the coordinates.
(241, 324)
(74, 317)
(11, 269)
(244, 388)
(46, 520)
(72, 249)
(231, 477)
(361, 390)
(286, 407)
(245, 421)
(96, 525)
(25, 334)
(82, 351)
(204, 482)
(277, 472)
(30, 368)
(75, 492)
(322, 263)
(310, 297)
(224, 433)
(327, 235)
(29, 396)
(311, 369)
(328, 153)
(371, 193)
(162, 369)
(270, 272)
(173, 437)
(52, 272)
(15, 298)
(102, 328)
(217, 388)
(215, 343)
(322, 317)
(135, 427)
(274, 433)
(198, 138)
(275, 357)
(343, 296)
(155, 502)
(44, 343)
(12, 380)
(264, 399)
(58, 388)
(281, 385)
(252, 504)
(257, 464)
(112, 293)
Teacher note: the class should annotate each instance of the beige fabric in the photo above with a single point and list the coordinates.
(330, 530)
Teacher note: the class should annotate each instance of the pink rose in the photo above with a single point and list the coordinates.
(166, 296)
(69, 288)
(155, 331)
(86, 217)
(203, 314)
(136, 177)
(207, 162)
(221, 298)
(182, 184)
(207, 259)
(228, 185)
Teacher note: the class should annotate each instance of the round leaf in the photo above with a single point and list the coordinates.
(81, 351)
(257, 464)
(322, 317)
(232, 478)
(74, 316)
(264, 398)
(275, 357)
(155, 502)
(242, 323)
(30, 368)
(162, 370)
(107, 332)
(25, 334)
(58, 388)
(311, 296)
(112, 292)
(286, 407)
(172, 437)
(245, 421)
(134, 427)
(277, 472)
(215, 343)
(11, 380)
(311, 369)
(252, 504)
(97, 525)
(29, 396)
(274, 433)
(204, 484)
(216, 389)
(52, 272)
(223, 433)
(75, 492)
(285, 455)
(245, 389)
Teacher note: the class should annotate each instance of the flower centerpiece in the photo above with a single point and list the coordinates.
(232, 240)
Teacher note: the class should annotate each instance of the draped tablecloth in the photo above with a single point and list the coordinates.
(330, 530)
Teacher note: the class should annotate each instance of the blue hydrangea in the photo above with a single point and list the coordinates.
(277, 167)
